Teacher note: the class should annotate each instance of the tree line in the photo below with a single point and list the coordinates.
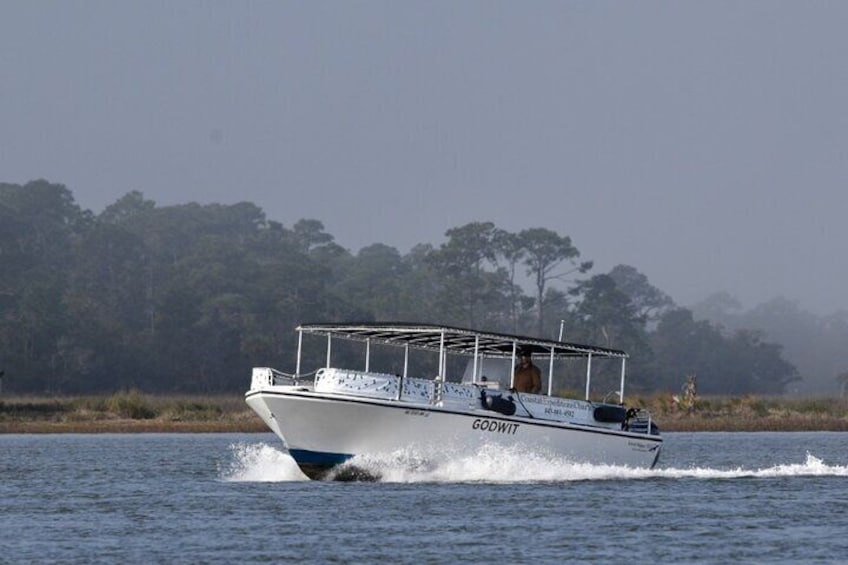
(190, 297)
(815, 344)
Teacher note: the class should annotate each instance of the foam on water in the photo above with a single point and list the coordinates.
(260, 463)
(489, 464)
(811, 467)
(494, 464)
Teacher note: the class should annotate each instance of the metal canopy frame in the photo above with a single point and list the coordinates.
(461, 341)
(456, 340)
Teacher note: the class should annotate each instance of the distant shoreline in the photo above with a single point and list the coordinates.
(212, 427)
(136, 412)
(132, 427)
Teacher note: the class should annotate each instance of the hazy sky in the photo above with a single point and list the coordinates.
(704, 143)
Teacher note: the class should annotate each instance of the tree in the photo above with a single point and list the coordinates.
(683, 346)
(310, 234)
(757, 365)
(421, 285)
(649, 301)
(558, 313)
(807, 339)
(40, 224)
(545, 252)
(508, 245)
(372, 280)
(131, 207)
(719, 308)
(739, 364)
(604, 315)
(189, 297)
(469, 294)
(812, 343)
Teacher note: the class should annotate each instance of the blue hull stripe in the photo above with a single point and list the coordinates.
(318, 458)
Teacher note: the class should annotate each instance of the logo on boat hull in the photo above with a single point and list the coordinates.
(494, 426)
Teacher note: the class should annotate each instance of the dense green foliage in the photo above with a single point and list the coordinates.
(190, 297)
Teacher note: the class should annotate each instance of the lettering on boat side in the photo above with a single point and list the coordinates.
(640, 446)
(559, 412)
(494, 426)
(417, 413)
(560, 403)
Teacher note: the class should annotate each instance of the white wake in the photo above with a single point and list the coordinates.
(260, 463)
(493, 464)
(811, 467)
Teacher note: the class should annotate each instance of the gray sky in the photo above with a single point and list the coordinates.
(704, 143)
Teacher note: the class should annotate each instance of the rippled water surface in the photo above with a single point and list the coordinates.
(715, 497)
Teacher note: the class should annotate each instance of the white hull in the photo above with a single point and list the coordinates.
(323, 430)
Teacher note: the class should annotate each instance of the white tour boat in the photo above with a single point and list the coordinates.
(327, 416)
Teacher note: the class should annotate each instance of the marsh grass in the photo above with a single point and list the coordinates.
(135, 411)
(127, 411)
(132, 405)
(750, 413)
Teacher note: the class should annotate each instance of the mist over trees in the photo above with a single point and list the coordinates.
(190, 297)
(814, 344)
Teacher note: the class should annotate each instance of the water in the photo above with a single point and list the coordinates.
(226, 498)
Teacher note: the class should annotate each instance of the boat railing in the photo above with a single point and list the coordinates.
(263, 377)
(438, 391)
(394, 387)
(358, 383)
(266, 376)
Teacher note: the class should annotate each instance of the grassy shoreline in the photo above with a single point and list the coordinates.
(127, 412)
(136, 412)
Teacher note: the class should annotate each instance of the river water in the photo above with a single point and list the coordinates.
(227, 498)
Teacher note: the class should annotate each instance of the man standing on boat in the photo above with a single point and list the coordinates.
(527, 376)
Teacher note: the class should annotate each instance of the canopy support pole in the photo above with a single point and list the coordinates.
(551, 373)
(512, 367)
(299, 349)
(476, 350)
(367, 355)
(551, 369)
(405, 370)
(442, 357)
(440, 378)
(621, 389)
(329, 348)
(405, 360)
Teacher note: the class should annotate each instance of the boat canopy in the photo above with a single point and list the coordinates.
(456, 340)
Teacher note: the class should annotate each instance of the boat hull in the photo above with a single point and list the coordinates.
(322, 431)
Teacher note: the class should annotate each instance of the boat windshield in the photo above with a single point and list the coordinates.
(494, 371)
